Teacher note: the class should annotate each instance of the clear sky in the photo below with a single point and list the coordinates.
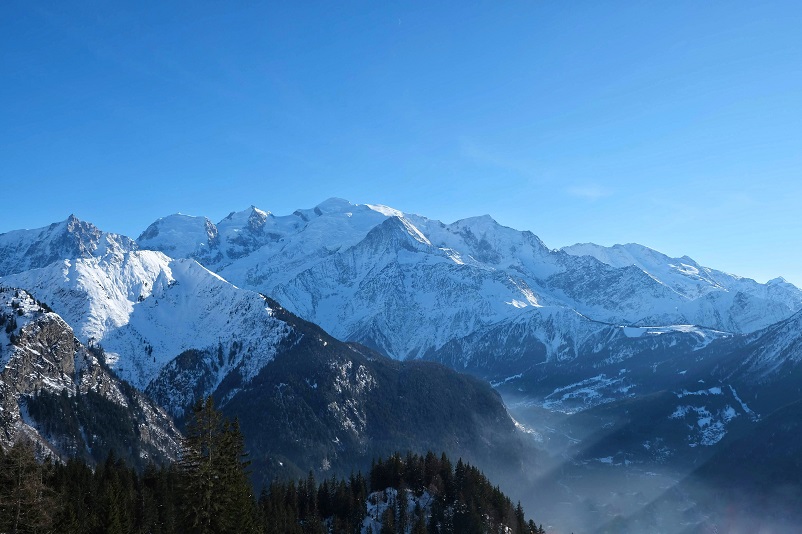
(677, 125)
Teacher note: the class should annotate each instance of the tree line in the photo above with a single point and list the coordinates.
(208, 491)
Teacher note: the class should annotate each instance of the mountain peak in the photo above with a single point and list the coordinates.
(73, 223)
(251, 211)
(333, 205)
(478, 221)
(179, 235)
(255, 210)
(71, 238)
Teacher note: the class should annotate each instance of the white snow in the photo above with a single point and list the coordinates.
(144, 299)
(710, 391)
(414, 286)
(379, 501)
(744, 407)
(385, 210)
(700, 293)
(709, 427)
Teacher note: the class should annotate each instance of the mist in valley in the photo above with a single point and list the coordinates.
(571, 490)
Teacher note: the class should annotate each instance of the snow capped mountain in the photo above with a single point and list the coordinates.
(473, 294)
(178, 332)
(775, 352)
(687, 277)
(146, 309)
(408, 285)
(322, 402)
(682, 275)
(655, 357)
(314, 231)
(181, 236)
(21, 250)
(96, 294)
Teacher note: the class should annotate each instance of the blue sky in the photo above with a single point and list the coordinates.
(677, 125)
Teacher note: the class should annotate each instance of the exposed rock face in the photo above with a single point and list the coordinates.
(44, 364)
(21, 250)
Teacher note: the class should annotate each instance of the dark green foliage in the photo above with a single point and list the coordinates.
(209, 493)
(26, 503)
(464, 499)
(306, 506)
(216, 493)
(89, 425)
(291, 410)
(69, 498)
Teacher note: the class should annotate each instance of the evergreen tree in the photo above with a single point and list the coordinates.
(216, 493)
(27, 504)
(388, 520)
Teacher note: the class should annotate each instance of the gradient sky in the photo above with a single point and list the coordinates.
(677, 125)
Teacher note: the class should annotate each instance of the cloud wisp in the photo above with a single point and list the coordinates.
(589, 192)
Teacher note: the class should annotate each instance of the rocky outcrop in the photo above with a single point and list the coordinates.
(45, 366)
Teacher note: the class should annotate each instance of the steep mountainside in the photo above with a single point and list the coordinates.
(21, 250)
(684, 275)
(179, 332)
(333, 406)
(59, 394)
(146, 309)
(408, 285)
(775, 348)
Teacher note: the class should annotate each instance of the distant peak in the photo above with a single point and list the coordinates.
(178, 224)
(634, 247)
(257, 219)
(251, 211)
(73, 224)
(581, 245)
(72, 220)
(478, 220)
(333, 204)
(257, 211)
(182, 216)
(393, 227)
(778, 280)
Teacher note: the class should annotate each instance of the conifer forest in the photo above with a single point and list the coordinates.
(209, 491)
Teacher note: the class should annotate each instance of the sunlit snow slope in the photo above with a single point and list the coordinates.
(409, 285)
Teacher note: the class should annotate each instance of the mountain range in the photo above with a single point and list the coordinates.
(319, 327)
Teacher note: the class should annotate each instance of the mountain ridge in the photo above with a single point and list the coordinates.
(339, 243)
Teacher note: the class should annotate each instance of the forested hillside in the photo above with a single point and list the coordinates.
(208, 491)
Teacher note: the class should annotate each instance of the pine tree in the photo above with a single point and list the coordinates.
(217, 496)
(420, 520)
(388, 520)
(27, 504)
